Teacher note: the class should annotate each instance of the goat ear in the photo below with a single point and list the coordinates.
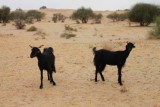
(31, 46)
(40, 46)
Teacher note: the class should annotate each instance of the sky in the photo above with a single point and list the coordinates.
(74, 4)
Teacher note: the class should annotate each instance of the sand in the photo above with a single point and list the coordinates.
(20, 76)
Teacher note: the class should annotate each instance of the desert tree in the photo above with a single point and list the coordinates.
(43, 7)
(118, 17)
(143, 13)
(18, 14)
(83, 14)
(4, 14)
(58, 17)
(34, 14)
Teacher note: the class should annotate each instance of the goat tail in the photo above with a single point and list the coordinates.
(94, 50)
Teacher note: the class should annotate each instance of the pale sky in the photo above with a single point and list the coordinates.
(74, 4)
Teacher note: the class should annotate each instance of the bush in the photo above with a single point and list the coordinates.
(18, 14)
(69, 28)
(32, 28)
(118, 17)
(4, 14)
(34, 14)
(43, 7)
(97, 18)
(20, 24)
(58, 17)
(155, 33)
(143, 13)
(82, 14)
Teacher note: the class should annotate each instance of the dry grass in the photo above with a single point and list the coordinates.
(68, 35)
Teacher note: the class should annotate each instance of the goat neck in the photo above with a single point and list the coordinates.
(126, 53)
(39, 56)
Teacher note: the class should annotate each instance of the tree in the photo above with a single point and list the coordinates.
(82, 14)
(4, 14)
(113, 16)
(18, 14)
(58, 17)
(118, 17)
(143, 13)
(43, 7)
(34, 14)
(97, 17)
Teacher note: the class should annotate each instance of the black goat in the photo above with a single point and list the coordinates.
(46, 61)
(103, 57)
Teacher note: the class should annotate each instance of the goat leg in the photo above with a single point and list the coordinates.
(51, 78)
(96, 72)
(119, 75)
(48, 76)
(41, 85)
(102, 76)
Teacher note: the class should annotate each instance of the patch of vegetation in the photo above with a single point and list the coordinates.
(20, 24)
(68, 35)
(18, 14)
(118, 17)
(69, 28)
(82, 14)
(41, 33)
(58, 17)
(97, 18)
(34, 14)
(4, 14)
(143, 13)
(32, 28)
(155, 33)
(43, 7)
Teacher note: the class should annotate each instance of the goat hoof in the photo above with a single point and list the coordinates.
(41, 87)
(54, 83)
(120, 84)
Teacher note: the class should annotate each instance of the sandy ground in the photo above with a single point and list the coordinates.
(20, 76)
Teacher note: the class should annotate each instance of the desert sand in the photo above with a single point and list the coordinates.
(20, 76)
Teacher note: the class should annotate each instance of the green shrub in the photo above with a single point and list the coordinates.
(143, 13)
(118, 17)
(32, 28)
(34, 14)
(155, 33)
(82, 14)
(4, 14)
(18, 14)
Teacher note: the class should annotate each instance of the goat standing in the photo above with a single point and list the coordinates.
(103, 57)
(46, 61)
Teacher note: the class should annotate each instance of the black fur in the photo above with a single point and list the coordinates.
(105, 57)
(46, 61)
